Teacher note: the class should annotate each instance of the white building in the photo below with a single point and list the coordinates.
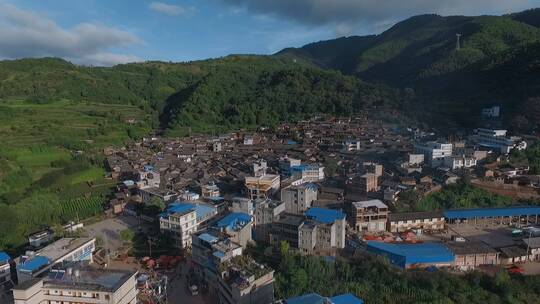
(148, 178)
(434, 152)
(298, 199)
(286, 163)
(33, 264)
(351, 145)
(458, 162)
(308, 173)
(497, 140)
(86, 285)
(242, 204)
(181, 221)
(416, 159)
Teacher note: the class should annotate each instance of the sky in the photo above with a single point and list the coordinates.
(108, 32)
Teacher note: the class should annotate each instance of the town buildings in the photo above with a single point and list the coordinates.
(181, 220)
(79, 285)
(369, 215)
(323, 230)
(266, 213)
(429, 221)
(264, 186)
(497, 140)
(237, 227)
(299, 198)
(434, 152)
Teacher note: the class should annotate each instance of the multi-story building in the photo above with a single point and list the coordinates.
(181, 220)
(431, 220)
(368, 183)
(286, 163)
(148, 178)
(323, 230)
(497, 140)
(264, 186)
(68, 250)
(5, 270)
(298, 199)
(259, 168)
(85, 285)
(210, 190)
(266, 212)
(458, 162)
(237, 227)
(373, 168)
(369, 215)
(416, 159)
(242, 204)
(286, 229)
(434, 152)
(351, 145)
(308, 173)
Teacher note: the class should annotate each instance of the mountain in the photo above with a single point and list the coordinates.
(495, 64)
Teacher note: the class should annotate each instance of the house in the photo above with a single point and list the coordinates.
(286, 229)
(533, 247)
(434, 152)
(264, 186)
(430, 220)
(41, 238)
(266, 212)
(298, 199)
(79, 285)
(181, 220)
(369, 215)
(210, 190)
(323, 230)
(237, 227)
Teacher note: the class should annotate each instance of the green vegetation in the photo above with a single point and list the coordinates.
(460, 195)
(529, 157)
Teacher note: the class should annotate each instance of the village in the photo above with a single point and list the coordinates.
(193, 206)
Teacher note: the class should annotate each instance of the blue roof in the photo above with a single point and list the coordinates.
(208, 238)
(218, 254)
(33, 264)
(202, 211)
(324, 215)
(234, 220)
(490, 212)
(4, 257)
(314, 298)
(407, 254)
(346, 298)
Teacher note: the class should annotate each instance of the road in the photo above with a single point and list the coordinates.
(178, 293)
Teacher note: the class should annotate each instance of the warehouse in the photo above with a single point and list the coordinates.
(413, 255)
(493, 216)
(469, 255)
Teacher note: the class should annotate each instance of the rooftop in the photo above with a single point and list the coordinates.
(314, 298)
(52, 253)
(408, 254)
(469, 247)
(32, 264)
(406, 216)
(370, 203)
(202, 211)
(234, 221)
(323, 215)
(4, 257)
(491, 212)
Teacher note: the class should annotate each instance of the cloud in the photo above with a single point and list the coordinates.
(344, 13)
(169, 9)
(27, 34)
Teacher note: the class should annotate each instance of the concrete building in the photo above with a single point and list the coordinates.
(236, 226)
(286, 163)
(533, 246)
(324, 230)
(266, 212)
(458, 162)
(264, 186)
(5, 270)
(497, 140)
(148, 178)
(369, 215)
(86, 285)
(41, 238)
(434, 152)
(308, 173)
(416, 159)
(210, 190)
(242, 204)
(410, 256)
(491, 112)
(259, 168)
(469, 255)
(286, 229)
(401, 222)
(34, 264)
(216, 146)
(373, 168)
(298, 199)
(181, 220)
(368, 182)
(351, 145)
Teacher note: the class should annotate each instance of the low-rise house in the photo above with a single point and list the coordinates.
(210, 190)
(430, 220)
(533, 246)
(469, 255)
(237, 227)
(369, 215)
(79, 285)
(41, 238)
(513, 254)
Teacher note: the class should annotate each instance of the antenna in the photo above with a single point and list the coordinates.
(458, 45)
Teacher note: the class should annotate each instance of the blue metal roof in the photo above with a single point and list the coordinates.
(4, 257)
(208, 238)
(234, 220)
(201, 211)
(490, 212)
(324, 215)
(347, 298)
(33, 264)
(407, 254)
(310, 298)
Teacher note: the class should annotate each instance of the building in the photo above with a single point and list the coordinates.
(286, 229)
(409, 256)
(166, 195)
(459, 161)
(181, 220)
(369, 215)
(323, 230)
(241, 280)
(259, 168)
(5, 270)
(314, 298)
(286, 163)
(351, 145)
(368, 183)
(298, 199)
(210, 190)
(85, 285)
(493, 216)
(469, 255)
(434, 152)
(497, 140)
(533, 247)
(237, 227)
(416, 159)
(148, 178)
(264, 186)
(430, 220)
(242, 204)
(33, 264)
(266, 212)
(41, 238)
(373, 168)
(491, 112)
(308, 173)
(216, 146)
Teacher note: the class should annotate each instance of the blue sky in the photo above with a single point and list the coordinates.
(105, 32)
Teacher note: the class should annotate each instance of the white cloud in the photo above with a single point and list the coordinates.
(169, 9)
(27, 34)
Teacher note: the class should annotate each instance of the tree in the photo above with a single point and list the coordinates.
(157, 202)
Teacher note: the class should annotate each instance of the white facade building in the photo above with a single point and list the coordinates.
(434, 152)
(298, 199)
